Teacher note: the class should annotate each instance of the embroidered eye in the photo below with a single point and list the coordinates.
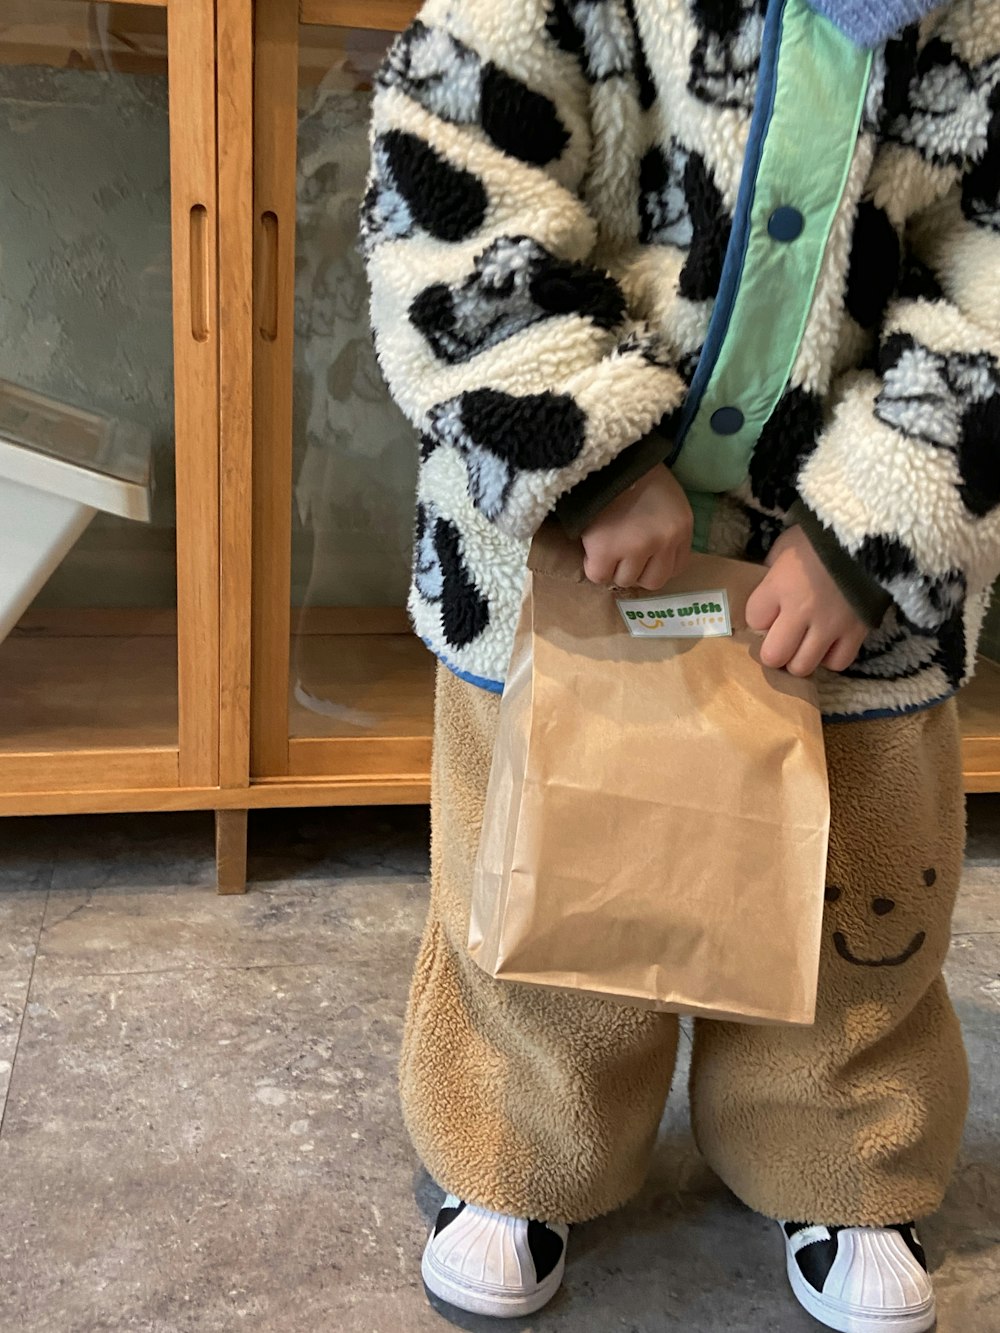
(930, 877)
(833, 892)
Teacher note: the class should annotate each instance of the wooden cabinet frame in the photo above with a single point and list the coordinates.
(233, 72)
(390, 767)
(93, 771)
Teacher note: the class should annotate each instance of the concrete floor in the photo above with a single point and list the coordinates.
(200, 1129)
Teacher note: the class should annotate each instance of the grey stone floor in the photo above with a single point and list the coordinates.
(200, 1129)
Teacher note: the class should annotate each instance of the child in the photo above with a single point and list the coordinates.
(756, 241)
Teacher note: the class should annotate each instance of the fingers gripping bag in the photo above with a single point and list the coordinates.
(657, 816)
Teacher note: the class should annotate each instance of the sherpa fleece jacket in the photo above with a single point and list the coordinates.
(552, 204)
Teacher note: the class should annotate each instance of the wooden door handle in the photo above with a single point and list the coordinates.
(200, 274)
(267, 307)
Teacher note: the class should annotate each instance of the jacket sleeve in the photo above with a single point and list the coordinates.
(906, 475)
(499, 338)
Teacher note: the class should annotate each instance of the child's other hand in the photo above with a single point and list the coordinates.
(807, 620)
(642, 539)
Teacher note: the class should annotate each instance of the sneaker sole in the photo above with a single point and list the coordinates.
(835, 1316)
(441, 1284)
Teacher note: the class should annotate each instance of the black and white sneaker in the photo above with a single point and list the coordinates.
(861, 1279)
(492, 1264)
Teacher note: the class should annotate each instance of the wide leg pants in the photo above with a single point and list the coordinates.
(546, 1105)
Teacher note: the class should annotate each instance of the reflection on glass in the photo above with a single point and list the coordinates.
(95, 444)
(85, 284)
(355, 455)
(355, 458)
(86, 378)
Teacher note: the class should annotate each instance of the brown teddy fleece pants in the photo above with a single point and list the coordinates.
(543, 1104)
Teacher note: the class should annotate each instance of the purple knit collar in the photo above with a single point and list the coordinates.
(869, 23)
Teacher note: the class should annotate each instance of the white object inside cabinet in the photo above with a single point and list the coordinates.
(58, 466)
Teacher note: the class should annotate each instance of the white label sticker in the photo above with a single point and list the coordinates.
(687, 615)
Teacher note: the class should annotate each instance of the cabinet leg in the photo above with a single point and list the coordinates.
(231, 851)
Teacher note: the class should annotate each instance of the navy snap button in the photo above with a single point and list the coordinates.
(785, 224)
(727, 421)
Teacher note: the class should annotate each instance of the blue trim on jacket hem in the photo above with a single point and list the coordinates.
(739, 240)
(494, 686)
(877, 714)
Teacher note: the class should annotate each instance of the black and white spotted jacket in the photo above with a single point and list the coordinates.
(549, 207)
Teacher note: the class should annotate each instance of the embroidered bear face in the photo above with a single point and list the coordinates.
(950, 400)
(515, 283)
(881, 947)
(725, 60)
(499, 436)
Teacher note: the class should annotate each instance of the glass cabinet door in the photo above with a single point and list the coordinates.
(341, 686)
(108, 614)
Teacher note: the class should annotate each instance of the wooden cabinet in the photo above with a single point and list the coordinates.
(179, 186)
(109, 684)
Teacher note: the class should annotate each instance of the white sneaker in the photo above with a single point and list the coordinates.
(492, 1264)
(861, 1279)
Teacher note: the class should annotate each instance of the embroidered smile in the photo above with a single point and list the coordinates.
(914, 946)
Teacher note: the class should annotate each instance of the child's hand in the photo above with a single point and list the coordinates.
(642, 539)
(807, 619)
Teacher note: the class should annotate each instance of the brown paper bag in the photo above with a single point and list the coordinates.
(657, 817)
